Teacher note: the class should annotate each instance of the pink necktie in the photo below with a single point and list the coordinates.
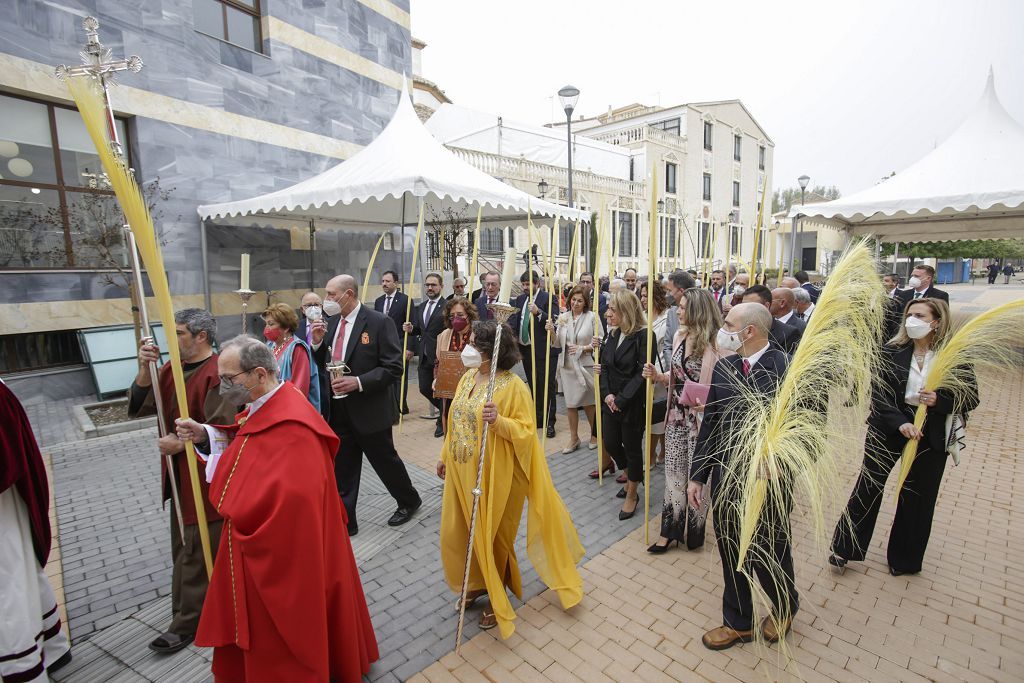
(339, 341)
(746, 367)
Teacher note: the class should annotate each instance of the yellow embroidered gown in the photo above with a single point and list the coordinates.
(514, 470)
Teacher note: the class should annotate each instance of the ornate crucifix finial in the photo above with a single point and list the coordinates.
(99, 63)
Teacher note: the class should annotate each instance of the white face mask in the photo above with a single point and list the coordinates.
(914, 282)
(313, 312)
(471, 358)
(738, 289)
(332, 307)
(917, 328)
(729, 341)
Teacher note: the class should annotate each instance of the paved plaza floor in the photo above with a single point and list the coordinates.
(642, 616)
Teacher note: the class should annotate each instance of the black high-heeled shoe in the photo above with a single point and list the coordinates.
(623, 515)
(657, 549)
(837, 561)
(622, 491)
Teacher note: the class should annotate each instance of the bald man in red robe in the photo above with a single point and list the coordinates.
(285, 602)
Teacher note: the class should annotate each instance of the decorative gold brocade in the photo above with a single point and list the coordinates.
(466, 408)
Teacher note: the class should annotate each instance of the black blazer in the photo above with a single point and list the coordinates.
(784, 337)
(907, 295)
(399, 304)
(889, 409)
(796, 321)
(374, 355)
(723, 406)
(813, 291)
(622, 362)
(537, 332)
(428, 333)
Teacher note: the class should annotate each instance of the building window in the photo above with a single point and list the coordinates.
(704, 245)
(670, 178)
(56, 206)
(667, 237)
(233, 21)
(708, 131)
(760, 157)
(760, 245)
(737, 146)
(492, 240)
(735, 239)
(669, 126)
(565, 238)
(735, 193)
(625, 222)
(39, 350)
(707, 187)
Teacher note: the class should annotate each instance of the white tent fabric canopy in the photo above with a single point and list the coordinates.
(969, 187)
(382, 183)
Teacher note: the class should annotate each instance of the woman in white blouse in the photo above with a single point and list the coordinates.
(896, 394)
(573, 334)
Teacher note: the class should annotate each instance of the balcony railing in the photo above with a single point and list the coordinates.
(643, 133)
(510, 168)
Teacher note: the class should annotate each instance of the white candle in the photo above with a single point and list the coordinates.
(508, 274)
(245, 272)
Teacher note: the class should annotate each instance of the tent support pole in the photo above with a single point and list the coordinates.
(896, 260)
(312, 252)
(402, 248)
(207, 298)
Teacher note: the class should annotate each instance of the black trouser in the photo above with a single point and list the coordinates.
(623, 434)
(529, 362)
(425, 373)
(379, 449)
(771, 539)
(912, 523)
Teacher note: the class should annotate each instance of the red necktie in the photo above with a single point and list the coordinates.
(746, 367)
(339, 342)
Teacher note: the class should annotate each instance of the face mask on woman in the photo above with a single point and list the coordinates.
(273, 334)
(459, 324)
(471, 358)
(917, 328)
(729, 341)
(332, 307)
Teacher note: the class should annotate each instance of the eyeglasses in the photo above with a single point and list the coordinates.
(228, 379)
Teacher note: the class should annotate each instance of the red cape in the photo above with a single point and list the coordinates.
(286, 537)
(21, 466)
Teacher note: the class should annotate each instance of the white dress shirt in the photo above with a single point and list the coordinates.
(786, 318)
(350, 320)
(756, 356)
(219, 439)
(915, 380)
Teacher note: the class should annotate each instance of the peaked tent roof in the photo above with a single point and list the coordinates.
(404, 162)
(969, 187)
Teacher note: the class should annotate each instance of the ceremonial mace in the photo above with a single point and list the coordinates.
(98, 63)
(502, 311)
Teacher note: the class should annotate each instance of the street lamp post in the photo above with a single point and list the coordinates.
(803, 180)
(569, 95)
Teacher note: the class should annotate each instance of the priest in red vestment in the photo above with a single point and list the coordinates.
(285, 602)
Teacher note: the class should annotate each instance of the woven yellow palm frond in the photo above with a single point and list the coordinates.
(790, 446)
(89, 98)
(988, 340)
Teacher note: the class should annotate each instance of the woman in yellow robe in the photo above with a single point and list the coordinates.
(515, 470)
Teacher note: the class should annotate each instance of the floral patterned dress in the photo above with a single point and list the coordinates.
(678, 521)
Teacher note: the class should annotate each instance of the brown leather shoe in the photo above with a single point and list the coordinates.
(769, 628)
(723, 637)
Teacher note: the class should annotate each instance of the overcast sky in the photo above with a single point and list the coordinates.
(848, 91)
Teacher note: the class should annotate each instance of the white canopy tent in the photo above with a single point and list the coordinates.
(969, 187)
(382, 184)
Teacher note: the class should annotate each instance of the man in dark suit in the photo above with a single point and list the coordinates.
(783, 308)
(478, 292)
(781, 336)
(427, 322)
(758, 368)
(367, 342)
(587, 283)
(717, 288)
(489, 295)
(528, 322)
(805, 283)
(312, 305)
(920, 285)
(394, 304)
(458, 289)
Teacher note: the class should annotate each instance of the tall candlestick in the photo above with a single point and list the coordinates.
(245, 272)
(508, 274)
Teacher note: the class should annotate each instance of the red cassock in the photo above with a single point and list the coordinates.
(285, 602)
